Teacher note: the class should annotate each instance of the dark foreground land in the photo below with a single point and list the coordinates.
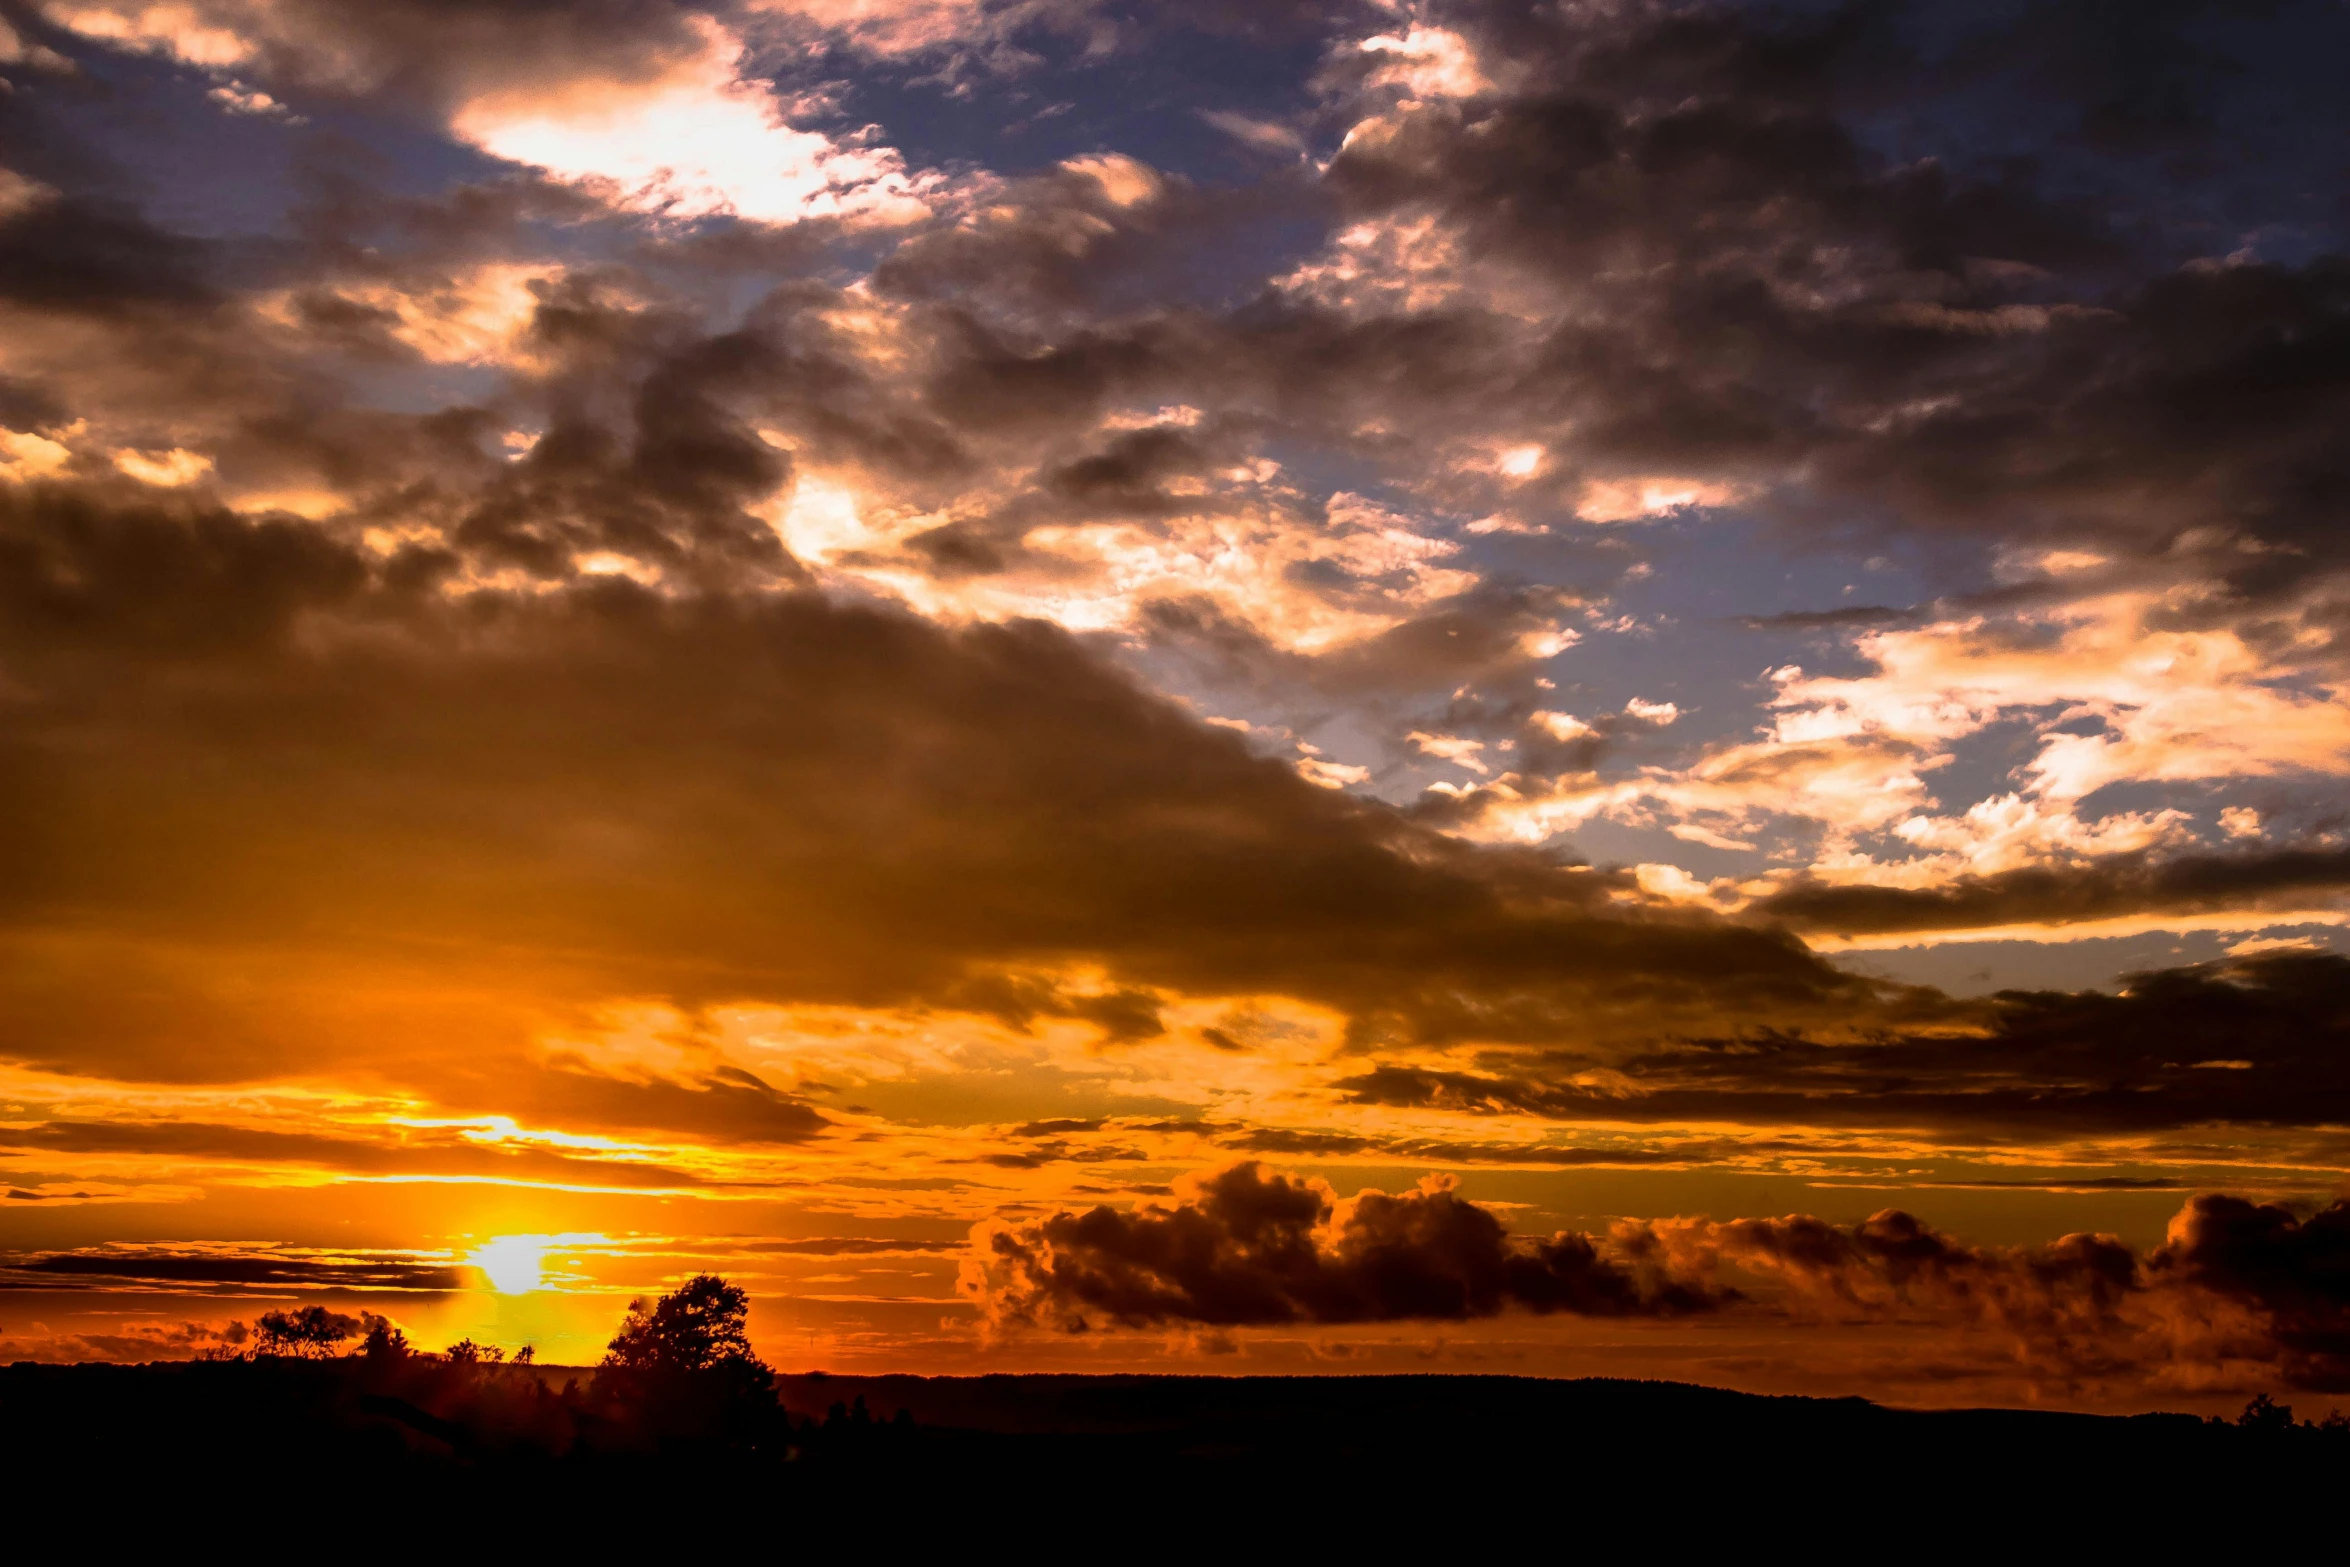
(1162, 1457)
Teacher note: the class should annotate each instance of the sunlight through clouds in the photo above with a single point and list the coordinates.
(514, 1264)
(694, 142)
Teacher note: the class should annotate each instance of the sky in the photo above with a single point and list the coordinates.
(1605, 687)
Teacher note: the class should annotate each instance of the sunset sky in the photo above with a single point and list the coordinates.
(1603, 687)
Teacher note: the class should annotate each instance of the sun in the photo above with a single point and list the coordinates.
(516, 1264)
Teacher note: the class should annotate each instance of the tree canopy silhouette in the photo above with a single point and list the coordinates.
(312, 1333)
(384, 1343)
(697, 1327)
(681, 1368)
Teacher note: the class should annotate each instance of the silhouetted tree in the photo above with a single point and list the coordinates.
(312, 1333)
(382, 1343)
(681, 1367)
(2265, 1415)
(700, 1325)
(465, 1352)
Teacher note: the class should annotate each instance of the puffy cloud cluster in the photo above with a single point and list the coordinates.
(2238, 1291)
(135, 1344)
(1244, 1247)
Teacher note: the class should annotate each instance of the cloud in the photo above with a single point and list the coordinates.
(135, 1343)
(2114, 887)
(638, 98)
(89, 256)
(2237, 1289)
(2027, 1067)
(1932, 334)
(1428, 62)
(1263, 135)
(697, 141)
(190, 1142)
(426, 53)
(1241, 1247)
(263, 1267)
(2171, 703)
(727, 1104)
(479, 315)
(2118, 694)
(752, 797)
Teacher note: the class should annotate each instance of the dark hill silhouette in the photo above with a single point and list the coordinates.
(682, 1426)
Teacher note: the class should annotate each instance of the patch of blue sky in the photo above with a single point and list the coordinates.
(201, 167)
(1147, 99)
(2104, 131)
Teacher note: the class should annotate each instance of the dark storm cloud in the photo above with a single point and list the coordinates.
(1894, 1259)
(2294, 1271)
(87, 256)
(195, 1140)
(2238, 1287)
(1765, 291)
(247, 734)
(727, 1105)
(1772, 296)
(1093, 240)
(2251, 1041)
(2051, 895)
(1250, 1248)
(851, 1246)
(1427, 1150)
(264, 1269)
(429, 54)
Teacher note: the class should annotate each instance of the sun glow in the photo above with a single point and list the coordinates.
(516, 1264)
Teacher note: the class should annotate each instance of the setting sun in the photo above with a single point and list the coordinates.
(515, 1264)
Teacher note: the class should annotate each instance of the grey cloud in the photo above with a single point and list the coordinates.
(851, 1246)
(429, 53)
(708, 798)
(1429, 1150)
(726, 1104)
(1794, 293)
(89, 256)
(2035, 1066)
(198, 1140)
(2108, 888)
(2238, 1286)
(264, 1269)
(1251, 1248)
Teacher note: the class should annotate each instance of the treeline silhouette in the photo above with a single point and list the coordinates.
(319, 1412)
(328, 1415)
(679, 1379)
